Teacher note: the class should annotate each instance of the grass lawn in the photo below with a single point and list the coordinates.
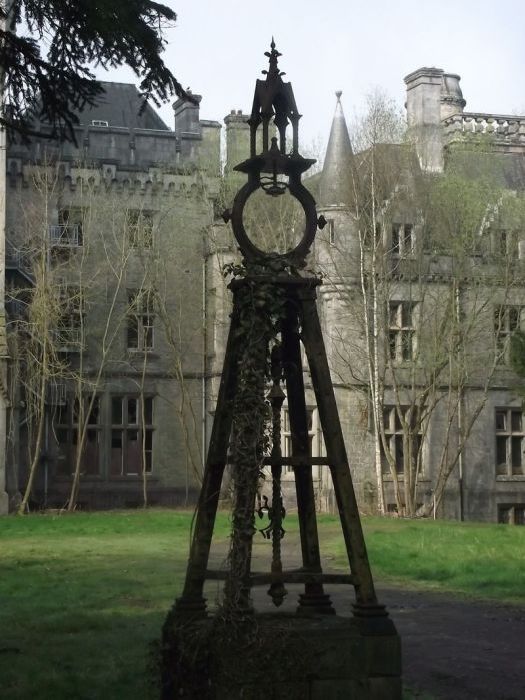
(83, 596)
(475, 559)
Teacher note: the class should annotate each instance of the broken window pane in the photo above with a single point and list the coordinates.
(501, 420)
(516, 455)
(501, 455)
(116, 410)
(132, 411)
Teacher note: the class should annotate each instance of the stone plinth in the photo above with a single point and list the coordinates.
(282, 656)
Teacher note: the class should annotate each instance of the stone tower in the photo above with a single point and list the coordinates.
(337, 249)
(336, 199)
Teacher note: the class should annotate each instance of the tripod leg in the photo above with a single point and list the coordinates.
(192, 601)
(314, 598)
(367, 604)
(247, 452)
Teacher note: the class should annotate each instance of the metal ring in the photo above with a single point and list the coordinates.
(295, 256)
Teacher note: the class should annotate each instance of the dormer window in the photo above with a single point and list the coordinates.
(99, 122)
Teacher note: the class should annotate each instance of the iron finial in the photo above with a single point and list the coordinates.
(273, 55)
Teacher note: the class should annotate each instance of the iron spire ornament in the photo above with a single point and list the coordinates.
(267, 346)
(274, 169)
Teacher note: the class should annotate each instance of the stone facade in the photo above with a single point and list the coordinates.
(145, 201)
(487, 480)
(113, 228)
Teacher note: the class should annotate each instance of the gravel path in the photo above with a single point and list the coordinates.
(459, 650)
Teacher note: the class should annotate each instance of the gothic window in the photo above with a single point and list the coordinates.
(131, 435)
(401, 330)
(506, 320)
(509, 442)
(403, 240)
(140, 320)
(69, 421)
(512, 514)
(139, 224)
(396, 440)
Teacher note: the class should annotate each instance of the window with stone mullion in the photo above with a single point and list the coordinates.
(401, 331)
(140, 228)
(507, 320)
(395, 438)
(131, 435)
(510, 442)
(403, 240)
(286, 435)
(140, 321)
(69, 421)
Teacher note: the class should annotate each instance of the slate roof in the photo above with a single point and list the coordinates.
(120, 106)
(505, 170)
(335, 184)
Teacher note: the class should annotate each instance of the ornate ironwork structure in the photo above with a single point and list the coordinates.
(277, 168)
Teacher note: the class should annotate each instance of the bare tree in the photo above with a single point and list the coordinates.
(113, 238)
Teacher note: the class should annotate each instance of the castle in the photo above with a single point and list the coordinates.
(117, 309)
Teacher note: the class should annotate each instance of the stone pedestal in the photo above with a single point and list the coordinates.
(283, 657)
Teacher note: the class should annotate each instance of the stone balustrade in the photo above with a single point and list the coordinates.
(503, 127)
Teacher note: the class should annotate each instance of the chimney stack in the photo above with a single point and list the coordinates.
(432, 95)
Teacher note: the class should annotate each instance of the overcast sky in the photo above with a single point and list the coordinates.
(217, 49)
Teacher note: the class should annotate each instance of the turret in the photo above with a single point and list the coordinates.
(336, 187)
(336, 200)
(237, 138)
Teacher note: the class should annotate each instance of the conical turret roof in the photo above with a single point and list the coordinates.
(336, 187)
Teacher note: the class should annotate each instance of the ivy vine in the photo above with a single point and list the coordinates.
(260, 303)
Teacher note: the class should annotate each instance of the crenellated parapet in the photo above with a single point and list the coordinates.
(182, 181)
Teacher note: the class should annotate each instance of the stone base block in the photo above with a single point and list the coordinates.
(282, 657)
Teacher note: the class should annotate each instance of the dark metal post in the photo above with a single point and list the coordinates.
(192, 601)
(314, 598)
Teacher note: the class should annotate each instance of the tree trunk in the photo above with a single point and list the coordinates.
(40, 433)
